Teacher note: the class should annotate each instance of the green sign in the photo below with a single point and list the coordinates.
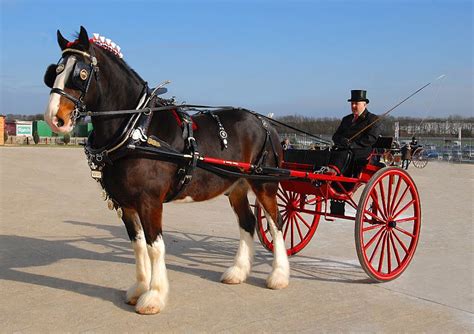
(24, 130)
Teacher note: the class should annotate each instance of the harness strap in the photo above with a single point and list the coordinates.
(186, 172)
(99, 157)
(75, 100)
(222, 132)
(264, 153)
(136, 138)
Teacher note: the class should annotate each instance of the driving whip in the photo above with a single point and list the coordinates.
(388, 111)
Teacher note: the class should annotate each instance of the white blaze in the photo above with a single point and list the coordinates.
(54, 99)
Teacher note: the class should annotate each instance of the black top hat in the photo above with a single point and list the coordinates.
(358, 95)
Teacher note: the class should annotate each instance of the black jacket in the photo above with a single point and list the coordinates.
(347, 129)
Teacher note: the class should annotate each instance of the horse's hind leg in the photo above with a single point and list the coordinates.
(280, 275)
(142, 261)
(239, 271)
(154, 300)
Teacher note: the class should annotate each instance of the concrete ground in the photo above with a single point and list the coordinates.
(65, 262)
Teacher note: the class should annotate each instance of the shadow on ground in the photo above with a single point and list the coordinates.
(201, 255)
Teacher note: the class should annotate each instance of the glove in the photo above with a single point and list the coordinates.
(344, 142)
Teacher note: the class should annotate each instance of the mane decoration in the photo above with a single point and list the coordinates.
(103, 43)
(106, 44)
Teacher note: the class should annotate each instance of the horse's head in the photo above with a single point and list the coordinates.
(70, 81)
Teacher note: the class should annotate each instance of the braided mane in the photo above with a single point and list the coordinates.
(104, 43)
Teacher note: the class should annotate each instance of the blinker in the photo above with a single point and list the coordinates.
(79, 76)
(50, 75)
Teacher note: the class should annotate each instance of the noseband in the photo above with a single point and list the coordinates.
(84, 74)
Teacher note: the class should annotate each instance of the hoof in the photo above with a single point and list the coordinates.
(150, 303)
(234, 275)
(134, 292)
(278, 279)
(133, 301)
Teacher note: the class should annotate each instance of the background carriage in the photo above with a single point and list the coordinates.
(393, 157)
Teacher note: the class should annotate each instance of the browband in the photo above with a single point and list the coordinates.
(82, 53)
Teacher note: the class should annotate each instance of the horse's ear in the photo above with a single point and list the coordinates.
(62, 41)
(83, 38)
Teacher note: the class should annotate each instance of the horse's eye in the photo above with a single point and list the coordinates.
(60, 68)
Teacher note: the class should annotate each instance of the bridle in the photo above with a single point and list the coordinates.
(85, 72)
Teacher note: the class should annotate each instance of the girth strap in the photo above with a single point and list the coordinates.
(264, 153)
(185, 173)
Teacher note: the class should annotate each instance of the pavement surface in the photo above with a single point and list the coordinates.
(66, 261)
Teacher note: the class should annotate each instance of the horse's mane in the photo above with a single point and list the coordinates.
(121, 63)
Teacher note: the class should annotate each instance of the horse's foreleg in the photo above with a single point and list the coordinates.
(142, 261)
(280, 275)
(154, 300)
(239, 271)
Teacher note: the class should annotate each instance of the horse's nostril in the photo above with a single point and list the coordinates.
(60, 122)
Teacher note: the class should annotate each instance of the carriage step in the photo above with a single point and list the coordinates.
(337, 207)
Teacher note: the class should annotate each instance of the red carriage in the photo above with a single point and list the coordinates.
(387, 214)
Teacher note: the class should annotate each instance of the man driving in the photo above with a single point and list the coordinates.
(357, 132)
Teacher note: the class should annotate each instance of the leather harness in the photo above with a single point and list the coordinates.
(135, 133)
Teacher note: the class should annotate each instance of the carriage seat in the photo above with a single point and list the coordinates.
(316, 159)
(379, 147)
(319, 158)
(383, 143)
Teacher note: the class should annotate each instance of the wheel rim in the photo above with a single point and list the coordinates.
(388, 225)
(418, 159)
(300, 221)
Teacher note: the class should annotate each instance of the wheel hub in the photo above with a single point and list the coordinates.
(292, 205)
(392, 224)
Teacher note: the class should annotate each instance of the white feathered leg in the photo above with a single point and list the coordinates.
(154, 300)
(242, 266)
(142, 268)
(280, 276)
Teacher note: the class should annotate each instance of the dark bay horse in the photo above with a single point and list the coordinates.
(91, 73)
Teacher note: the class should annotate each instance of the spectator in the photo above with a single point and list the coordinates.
(286, 144)
(406, 155)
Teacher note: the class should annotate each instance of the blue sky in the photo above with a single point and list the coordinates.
(285, 57)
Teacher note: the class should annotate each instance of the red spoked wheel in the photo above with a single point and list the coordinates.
(387, 225)
(300, 216)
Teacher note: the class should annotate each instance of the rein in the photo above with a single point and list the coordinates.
(80, 109)
(149, 110)
(134, 136)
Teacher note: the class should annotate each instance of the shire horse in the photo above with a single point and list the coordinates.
(92, 73)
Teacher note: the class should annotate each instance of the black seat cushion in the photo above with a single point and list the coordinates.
(383, 142)
(308, 157)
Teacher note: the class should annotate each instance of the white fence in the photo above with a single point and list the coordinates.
(28, 140)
